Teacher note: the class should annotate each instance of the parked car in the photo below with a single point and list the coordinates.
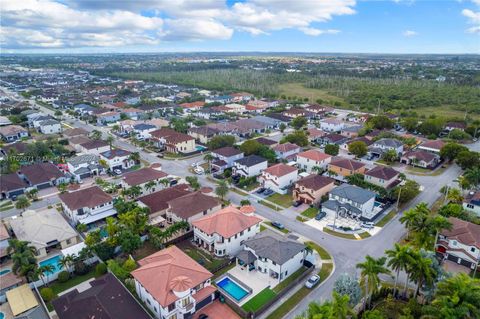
(297, 203)
(367, 225)
(278, 225)
(117, 171)
(320, 215)
(198, 170)
(173, 182)
(312, 281)
(268, 192)
(260, 190)
(160, 155)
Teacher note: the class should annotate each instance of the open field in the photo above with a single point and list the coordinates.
(298, 90)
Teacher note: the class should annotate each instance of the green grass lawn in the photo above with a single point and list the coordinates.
(252, 186)
(364, 235)
(298, 90)
(203, 258)
(59, 287)
(259, 300)
(289, 279)
(342, 235)
(301, 219)
(270, 205)
(262, 228)
(285, 231)
(282, 200)
(310, 212)
(386, 218)
(239, 192)
(320, 250)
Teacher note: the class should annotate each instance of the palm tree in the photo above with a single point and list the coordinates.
(472, 176)
(134, 191)
(165, 182)
(62, 187)
(33, 194)
(454, 195)
(222, 189)
(399, 258)
(370, 269)
(150, 185)
(209, 158)
(110, 140)
(44, 271)
(340, 307)
(458, 297)
(22, 255)
(409, 218)
(22, 203)
(317, 169)
(66, 262)
(95, 135)
(421, 272)
(134, 156)
(115, 128)
(439, 223)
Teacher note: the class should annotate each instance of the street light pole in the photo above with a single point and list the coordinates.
(398, 198)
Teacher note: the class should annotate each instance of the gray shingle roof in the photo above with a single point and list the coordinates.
(273, 246)
(354, 193)
(251, 160)
(333, 205)
(389, 142)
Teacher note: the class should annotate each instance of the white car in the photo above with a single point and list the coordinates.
(367, 225)
(198, 170)
(117, 171)
(312, 281)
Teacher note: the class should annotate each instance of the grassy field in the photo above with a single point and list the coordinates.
(298, 90)
(446, 111)
(342, 235)
(270, 205)
(320, 250)
(259, 300)
(310, 212)
(289, 279)
(301, 219)
(282, 200)
(386, 218)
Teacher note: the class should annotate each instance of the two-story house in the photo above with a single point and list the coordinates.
(12, 185)
(331, 125)
(225, 157)
(332, 138)
(352, 201)
(142, 130)
(249, 166)
(313, 158)
(108, 117)
(386, 144)
(173, 141)
(87, 205)
(351, 131)
(286, 151)
(191, 207)
(173, 285)
(460, 244)
(310, 189)
(12, 133)
(147, 178)
(224, 231)
(84, 166)
(273, 254)
(383, 176)
(278, 177)
(93, 146)
(471, 202)
(346, 167)
(432, 146)
(117, 158)
(50, 126)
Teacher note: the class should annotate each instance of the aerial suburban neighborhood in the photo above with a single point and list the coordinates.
(228, 185)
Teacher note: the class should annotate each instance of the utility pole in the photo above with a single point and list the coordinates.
(446, 194)
(398, 199)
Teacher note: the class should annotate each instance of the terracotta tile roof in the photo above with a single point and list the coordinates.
(421, 155)
(315, 182)
(192, 204)
(192, 104)
(92, 144)
(346, 163)
(315, 132)
(464, 232)
(41, 173)
(87, 197)
(226, 222)
(314, 155)
(280, 170)
(436, 144)
(157, 201)
(167, 271)
(285, 147)
(382, 172)
(11, 182)
(171, 136)
(143, 175)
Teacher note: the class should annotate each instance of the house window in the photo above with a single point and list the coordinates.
(69, 241)
(241, 233)
(148, 301)
(454, 243)
(274, 263)
(185, 301)
(472, 249)
(205, 212)
(171, 307)
(470, 206)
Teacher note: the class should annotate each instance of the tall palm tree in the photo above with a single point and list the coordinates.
(409, 218)
(438, 223)
(165, 182)
(422, 272)
(44, 271)
(66, 262)
(22, 255)
(399, 258)
(134, 156)
(317, 169)
(222, 189)
(370, 269)
(22, 203)
(209, 158)
(150, 185)
(110, 140)
(472, 175)
(340, 307)
(454, 195)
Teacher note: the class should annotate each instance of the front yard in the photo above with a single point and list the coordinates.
(310, 212)
(282, 200)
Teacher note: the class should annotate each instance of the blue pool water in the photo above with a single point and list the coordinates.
(232, 288)
(200, 148)
(2, 315)
(376, 204)
(3, 272)
(52, 261)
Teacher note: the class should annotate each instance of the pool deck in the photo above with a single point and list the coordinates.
(5, 308)
(254, 279)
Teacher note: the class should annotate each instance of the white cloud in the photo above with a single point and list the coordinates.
(194, 29)
(409, 33)
(316, 32)
(473, 18)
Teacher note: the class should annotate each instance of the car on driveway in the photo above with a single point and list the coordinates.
(117, 171)
(367, 225)
(268, 192)
(278, 225)
(297, 203)
(312, 281)
(320, 215)
(260, 190)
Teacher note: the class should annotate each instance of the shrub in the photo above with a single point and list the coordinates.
(100, 269)
(47, 294)
(81, 268)
(63, 276)
(129, 265)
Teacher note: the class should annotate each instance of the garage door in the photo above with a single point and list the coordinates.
(117, 167)
(204, 302)
(86, 175)
(43, 186)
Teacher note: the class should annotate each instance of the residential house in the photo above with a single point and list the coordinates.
(358, 139)
(84, 166)
(471, 202)
(173, 285)
(209, 113)
(83, 109)
(460, 244)
(224, 99)
(249, 166)
(310, 189)
(266, 142)
(117, 158)
(224, 231)
(246, 127)
(108, 117)
(455, 125)
(241, 97)
(94, 147)
(12, 186)
(24, 304)
(383, 176)
(314, 135)
(273, 254)
(4, 238)
(346, 167)
(225, 157)
(278, 177)
(331, 125)
(144, 178)
(313, 158)
(191, 207)
(42, 175)
(143, 130)
(87, 205)
(352, 201)
(193, 106)
(432, 146)
(351, 131)
(203, 134)
(421, 158)
(105, 297)
(75, 132)
(286, 151)
(50, 127)
(132, 113)
(17, 148)
(332, 138)
(173, 141)
(12, 133)
(259, 104)
(235, 108)
(45, 230)
(297, 112)
(270, 123)
(386, 144)
(76, 142)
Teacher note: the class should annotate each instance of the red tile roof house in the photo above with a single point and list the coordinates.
(286, 151)
(173, 285)
(461, 244)
(310, 189)
(432, 146)
(383, 176)
(313, 158)
(87, 205)
(224, 231)
(147, 178)
(193, 106)
(314, 134)
(191, 207)
(279, 177)
(421, 158)
(42, 175)
(173, 141)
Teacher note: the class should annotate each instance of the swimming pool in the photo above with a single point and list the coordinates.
(54, 261)
(232, 288)
(200, 148)
(377, 204)
(3, 272)
(2, 315)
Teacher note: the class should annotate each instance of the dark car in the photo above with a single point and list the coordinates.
(173, 182)
(297, 203)
(320, 215)
(260, 190)
(203, 316)
(268, 192)
(278, 225)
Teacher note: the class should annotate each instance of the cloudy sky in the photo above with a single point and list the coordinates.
(388, 26)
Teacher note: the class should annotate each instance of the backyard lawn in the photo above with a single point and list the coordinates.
(202, 257)
(259, 300)
(310, 212)
(58, 287)
(282, 200)
(289, 279)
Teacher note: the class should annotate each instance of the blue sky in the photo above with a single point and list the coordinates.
(388, 26)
